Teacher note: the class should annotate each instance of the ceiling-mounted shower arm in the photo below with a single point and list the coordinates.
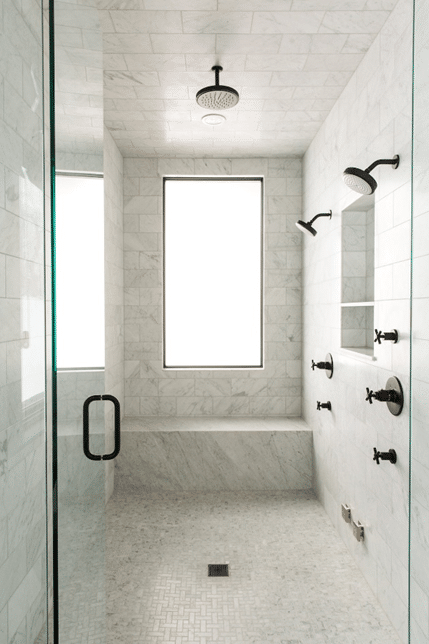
(216, 69)
(393, 162)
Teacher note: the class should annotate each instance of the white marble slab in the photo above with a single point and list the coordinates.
(207, 454)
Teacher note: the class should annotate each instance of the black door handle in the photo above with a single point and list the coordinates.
(86, 450)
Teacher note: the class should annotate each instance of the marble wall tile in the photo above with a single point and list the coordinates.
(360, 122)
(205, 391)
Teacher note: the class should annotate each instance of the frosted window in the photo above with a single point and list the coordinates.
(212, 273)
(80, 271)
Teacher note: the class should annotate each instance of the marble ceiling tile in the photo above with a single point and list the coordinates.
(358, 43)
(327, 43)
(338, 78)
(280, 93)
(317, 92)
(286, 22)
(183, 43)
(217, 22)
(147, 22)
(229, 62)
(156, 62)
(202, 5)
(295, 44)
(275, 62)
(299, 78)
(332, 62)
(126, 43)
(353, 22)
(119, 92)
(286, 105)
(254, 5)
(140, 106)
(114, 62)
(328, 5)
(130, 78)
(247, 44)
(166, 92)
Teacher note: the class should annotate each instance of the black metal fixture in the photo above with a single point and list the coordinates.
(218, 570)
(217, 97)
(87, 452)
(328, 365)
(306, 226)
(384, 456)
(326, 405)
(361, 181)
(393, 395)
(390, 335)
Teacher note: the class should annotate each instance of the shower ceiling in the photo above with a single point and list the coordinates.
(288, 59)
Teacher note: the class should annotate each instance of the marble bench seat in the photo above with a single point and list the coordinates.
(206, 454)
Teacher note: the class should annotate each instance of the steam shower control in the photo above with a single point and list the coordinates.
(384, 395)
(328, 365)
(326, 405)
(384, 456)
(390, 335)
(392, 395)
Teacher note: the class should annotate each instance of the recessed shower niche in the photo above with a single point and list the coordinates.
(357, 277)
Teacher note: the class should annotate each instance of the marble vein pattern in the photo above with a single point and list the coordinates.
(273, 390)
(216, 460)
(165, 51)
(291, 578)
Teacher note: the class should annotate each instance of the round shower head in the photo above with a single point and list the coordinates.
(359, 181)
(217, 97)
(306, 228)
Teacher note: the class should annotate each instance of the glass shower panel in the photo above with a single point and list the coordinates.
(419, 499)
(23, 410)
(78, 372)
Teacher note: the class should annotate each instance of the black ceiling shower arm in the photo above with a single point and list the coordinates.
(322, 214)
(394, 162)
(216, 69)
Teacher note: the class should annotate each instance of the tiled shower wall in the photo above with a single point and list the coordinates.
(371, 120)
(24, 414)
(150, 391)
(419, 508)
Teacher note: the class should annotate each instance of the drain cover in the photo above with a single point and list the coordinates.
(218, 570)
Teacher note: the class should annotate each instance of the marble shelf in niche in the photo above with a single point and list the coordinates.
(357, 277)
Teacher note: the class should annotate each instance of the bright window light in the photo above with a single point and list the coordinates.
(212, 273)
(80, 271)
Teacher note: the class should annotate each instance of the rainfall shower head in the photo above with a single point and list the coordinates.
(217, 97)
(306, 226)
(361, 181)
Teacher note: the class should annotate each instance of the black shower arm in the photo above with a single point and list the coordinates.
(322, 214)
(394, 161)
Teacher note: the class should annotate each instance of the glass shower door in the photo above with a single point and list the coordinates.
(84, 477)
(419, 496)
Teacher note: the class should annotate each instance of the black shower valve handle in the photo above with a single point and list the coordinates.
(384, 456)
(326, 405)
(384, 395)
(389, 335)
(321, 365)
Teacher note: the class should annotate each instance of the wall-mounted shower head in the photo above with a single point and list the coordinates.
(361, 181)
(217, 97)
(306, 226)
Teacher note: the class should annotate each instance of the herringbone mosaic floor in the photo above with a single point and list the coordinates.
(291, 580)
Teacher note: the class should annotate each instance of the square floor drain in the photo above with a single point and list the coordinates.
(218, 570)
